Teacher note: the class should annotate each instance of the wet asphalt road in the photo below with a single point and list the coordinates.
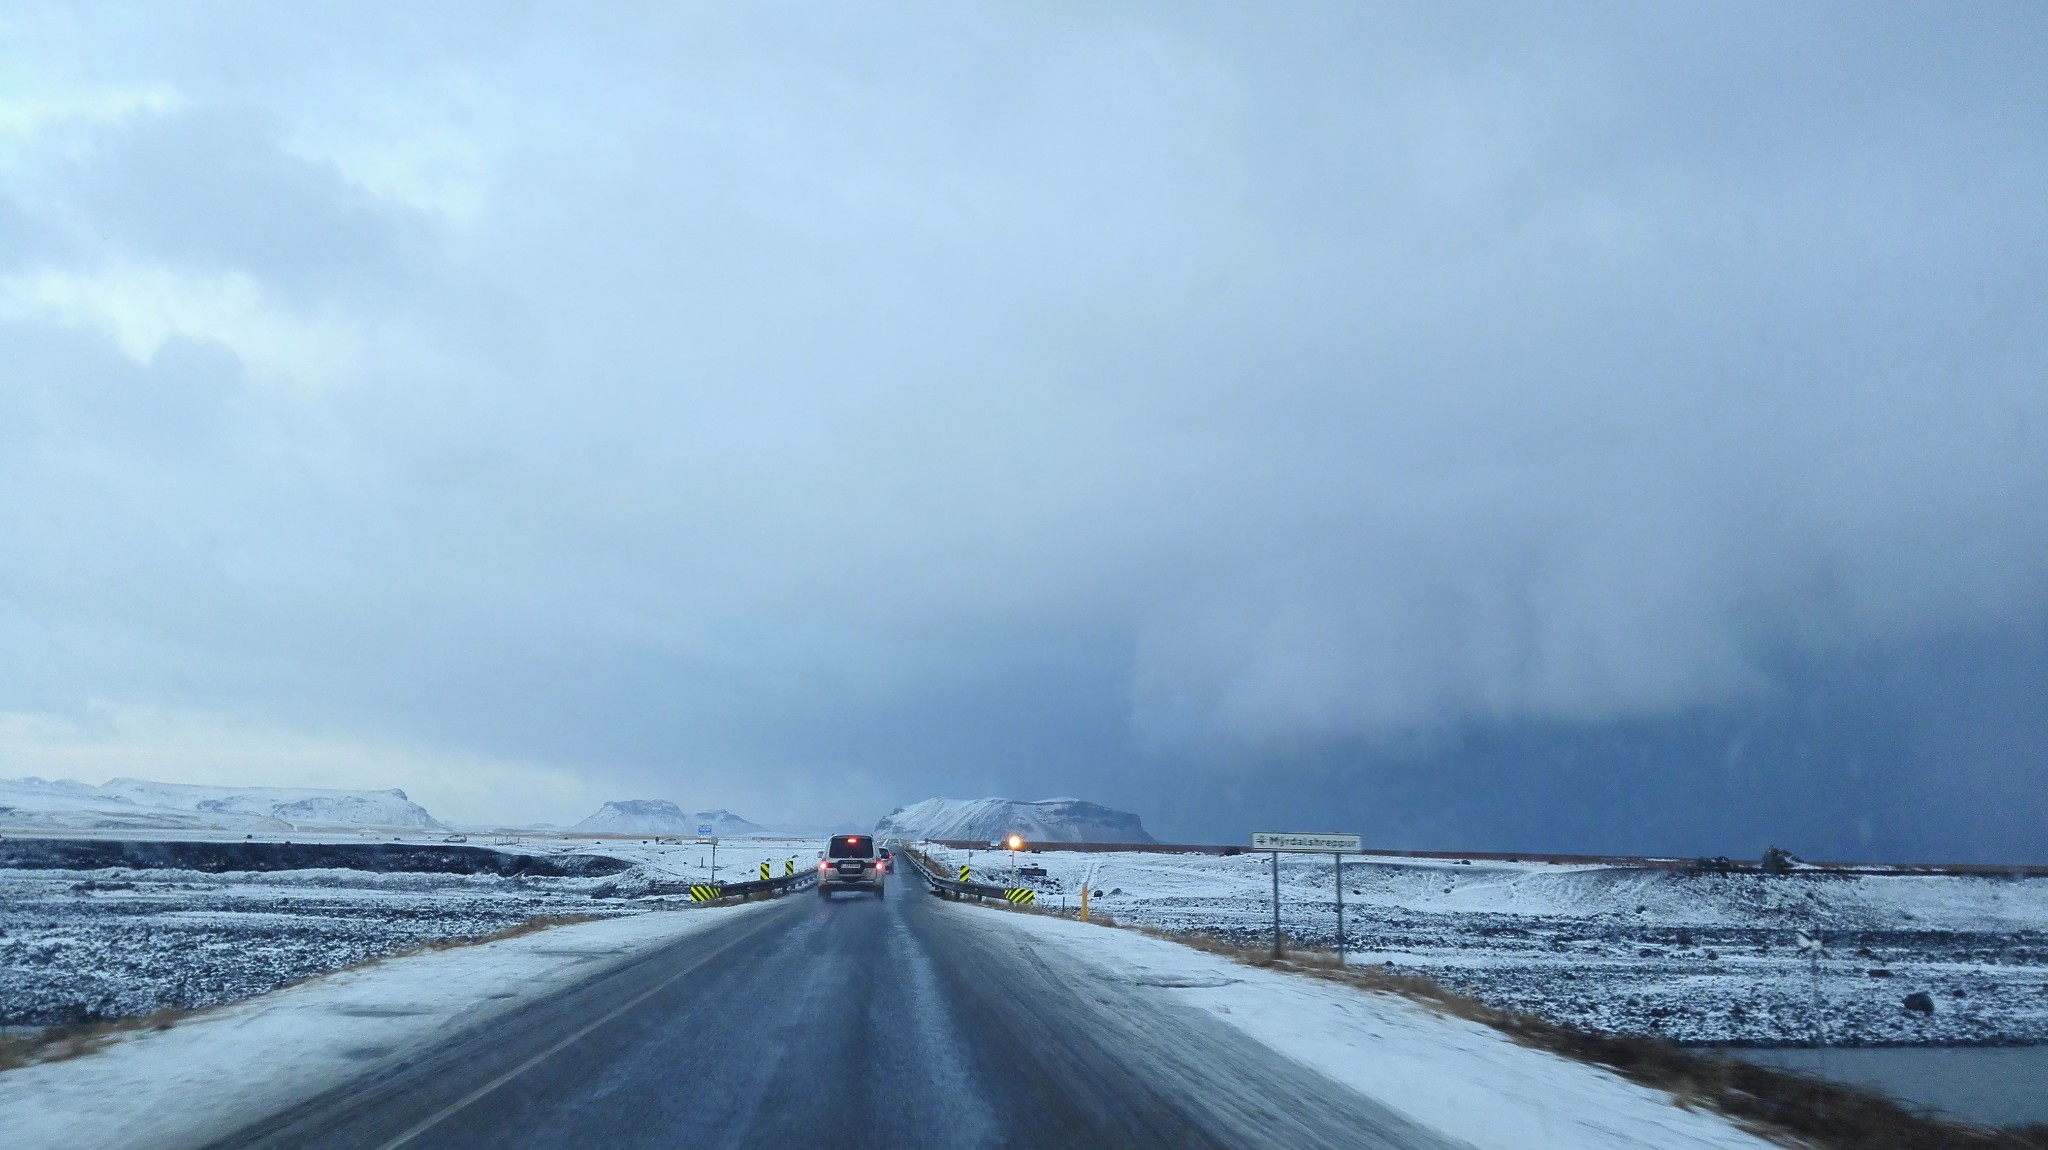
(859, 1022)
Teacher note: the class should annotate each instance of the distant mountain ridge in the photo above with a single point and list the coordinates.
(661, 817)
(986, 820)
(140, 804)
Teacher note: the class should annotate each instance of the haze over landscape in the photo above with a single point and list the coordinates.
(1620, 431)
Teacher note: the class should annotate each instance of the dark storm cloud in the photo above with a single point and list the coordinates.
(1468, 426)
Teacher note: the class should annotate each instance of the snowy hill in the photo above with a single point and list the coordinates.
(985, 820)
(661, 817)
(138, 804)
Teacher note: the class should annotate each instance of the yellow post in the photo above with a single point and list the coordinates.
(789, 866)
(764, 870)
(1084, 902)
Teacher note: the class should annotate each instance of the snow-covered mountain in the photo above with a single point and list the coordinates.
(986, 820)
(139, 804)
(661, 817)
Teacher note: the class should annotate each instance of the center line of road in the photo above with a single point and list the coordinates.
(457, 1106)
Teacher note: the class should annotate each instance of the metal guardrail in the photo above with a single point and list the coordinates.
(714, 891)
(963, 887)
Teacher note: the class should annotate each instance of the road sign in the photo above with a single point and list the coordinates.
(704, 830)
(1306, 843)
(1297, 841)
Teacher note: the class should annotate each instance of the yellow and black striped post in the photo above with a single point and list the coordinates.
(764, 870)
(702, 893)
(963, 873)
(789, 866)
(1020, 895)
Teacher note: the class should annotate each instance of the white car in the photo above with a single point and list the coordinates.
(851, 862)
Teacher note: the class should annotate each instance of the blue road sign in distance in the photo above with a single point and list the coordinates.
(704, 830)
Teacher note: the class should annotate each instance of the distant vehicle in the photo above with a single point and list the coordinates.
(884, 859)
(852, 862)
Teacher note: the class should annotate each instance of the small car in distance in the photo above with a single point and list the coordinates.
(852, 862)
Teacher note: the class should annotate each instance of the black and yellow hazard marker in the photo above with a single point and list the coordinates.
(788, 867)
(963, 873)
(702, 893)
(1021, 895)
(764, 870)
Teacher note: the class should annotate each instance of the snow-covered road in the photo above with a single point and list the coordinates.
(901, 1022)
(213, 1073)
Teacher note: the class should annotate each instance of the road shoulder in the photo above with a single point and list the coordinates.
(1457, 1077)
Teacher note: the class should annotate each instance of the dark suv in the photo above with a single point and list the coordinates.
(851, 862)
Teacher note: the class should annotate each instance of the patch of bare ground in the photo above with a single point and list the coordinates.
(57, 1043)
(1792, 1109)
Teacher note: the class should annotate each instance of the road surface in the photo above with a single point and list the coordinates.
(864, 1023)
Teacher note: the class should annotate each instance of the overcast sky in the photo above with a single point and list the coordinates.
(1624, 429)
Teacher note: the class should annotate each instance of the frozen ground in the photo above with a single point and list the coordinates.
(1457, 1077)
(1699, 958)
(84, 942)
(196, 1081)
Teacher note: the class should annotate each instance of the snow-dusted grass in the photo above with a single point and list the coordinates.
(167, 1088)
(1693, 957)
(82, 946)
(1459, 1077)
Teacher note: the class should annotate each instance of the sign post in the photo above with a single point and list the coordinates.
(1337, 858)
(1277, 952)
(1300, 842)
(704, 831)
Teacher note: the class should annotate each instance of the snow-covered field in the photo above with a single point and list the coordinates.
(114, 941)
(195, 1082)
(1460, 1078)
(1705, 958)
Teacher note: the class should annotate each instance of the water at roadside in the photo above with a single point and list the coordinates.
(1987, 1085)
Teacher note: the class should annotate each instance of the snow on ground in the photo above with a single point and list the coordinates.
(1458, 1077)
(1706, 958)
(78, 945)
(163, 1088)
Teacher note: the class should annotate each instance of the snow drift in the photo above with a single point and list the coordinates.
(661, 817)
(986, 820)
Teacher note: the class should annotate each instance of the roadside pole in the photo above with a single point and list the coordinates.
(1339, 857)
(1276, 904)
